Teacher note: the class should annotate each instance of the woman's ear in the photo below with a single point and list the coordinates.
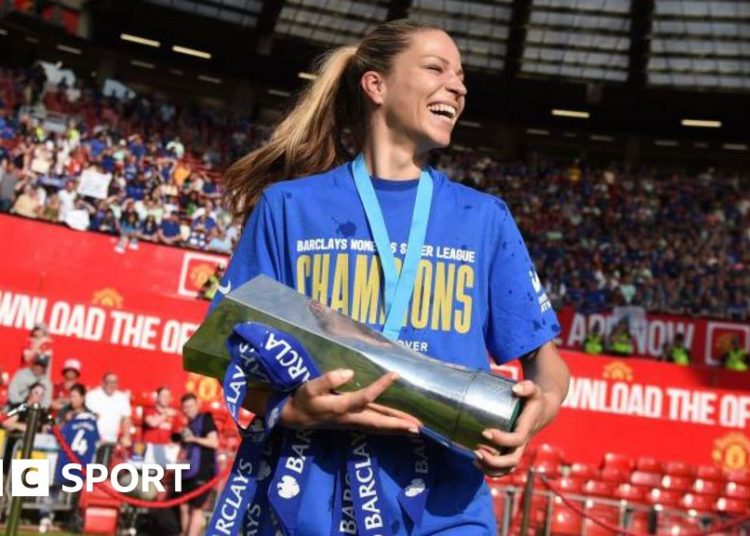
(373, 85)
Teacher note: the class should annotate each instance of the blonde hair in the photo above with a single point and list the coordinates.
(309, 139)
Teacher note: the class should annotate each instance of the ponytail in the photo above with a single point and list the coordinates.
(309, 139)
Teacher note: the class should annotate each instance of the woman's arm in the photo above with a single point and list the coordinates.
(544, 389)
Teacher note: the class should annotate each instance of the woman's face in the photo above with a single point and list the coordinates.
(423, 95)
(36, 395)
(76, 400)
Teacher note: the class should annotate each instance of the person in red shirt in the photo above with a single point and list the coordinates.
(39, 342)
(160, 421)
(71, 371)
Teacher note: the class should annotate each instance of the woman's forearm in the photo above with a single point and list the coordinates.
(549, 372)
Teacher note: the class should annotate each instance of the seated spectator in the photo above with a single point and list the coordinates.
(200, 441)
(197, 238)
(68, 197)
(169, 231)
(51, 209)
(27, 204)
(39, 342)
(71, 372)
(219, 242)
(9, 182)
(105, 221)
(149, 229)
(129, 226)
(112, 409)
(677, 352)
(25, 378)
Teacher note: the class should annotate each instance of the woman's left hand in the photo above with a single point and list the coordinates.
(503, 450)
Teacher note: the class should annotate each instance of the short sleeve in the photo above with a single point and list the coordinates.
(208, 424)
(257, 252)
(520, 318)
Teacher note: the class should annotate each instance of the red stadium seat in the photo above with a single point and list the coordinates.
(699, 503)
(662, 497)
(596, 488)
(676, 483)
(565, 521)
(645, 480)
(648, 465)
(617, 461)
(627, 492)
(738, 477)
(613, 475)
(602, 512)
(500, 500)
(583, 471)
(711, 488)
(548, 453)
(567, 485)
(548, 468)
(675, 468)
(674, 525)
(732, 490)
(707, 472)
(726, 505)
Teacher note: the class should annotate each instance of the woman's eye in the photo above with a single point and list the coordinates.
(435, 68)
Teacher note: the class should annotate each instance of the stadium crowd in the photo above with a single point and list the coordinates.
(667, 241)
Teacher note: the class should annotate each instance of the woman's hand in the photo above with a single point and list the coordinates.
(503, 450)
(543, 391)
(315, 405)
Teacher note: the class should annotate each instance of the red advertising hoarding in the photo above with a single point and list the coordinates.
(131, 313)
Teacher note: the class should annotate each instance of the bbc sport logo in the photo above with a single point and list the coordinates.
(32, 478)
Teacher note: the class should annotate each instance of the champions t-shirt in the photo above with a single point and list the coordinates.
(476, 292)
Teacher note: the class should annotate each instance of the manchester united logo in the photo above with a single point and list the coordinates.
(732, 451)
(617, 370)
(206, 389)
(108, 297)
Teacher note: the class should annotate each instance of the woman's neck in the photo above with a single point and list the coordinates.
(387, 160)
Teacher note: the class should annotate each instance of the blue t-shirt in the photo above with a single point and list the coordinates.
(476, 292)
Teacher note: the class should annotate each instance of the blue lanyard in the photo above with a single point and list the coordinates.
(398, 288)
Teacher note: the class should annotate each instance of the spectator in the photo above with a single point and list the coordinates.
(36, 394)
(75, 406)
(621, 341)
(735, 358)
(128, 231)
(169, 231)
(39, 342)
(9, 181)
(594, 342)
(677, 352)
(71, 372)
(148, 229)
(68, 196)
(211, 286)
(200, 441)
(112, 409)
(27, 204)
(25, 378)
(160, 421)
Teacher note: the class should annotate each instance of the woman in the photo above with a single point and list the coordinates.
(399, 94)
(76, 405)
(39, 342)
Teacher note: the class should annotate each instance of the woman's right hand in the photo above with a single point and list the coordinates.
(315, 405)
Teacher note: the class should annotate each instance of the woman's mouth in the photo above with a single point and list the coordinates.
(444, 112)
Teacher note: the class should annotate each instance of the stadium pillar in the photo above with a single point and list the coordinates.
(32, 422)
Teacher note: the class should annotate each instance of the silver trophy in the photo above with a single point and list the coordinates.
(455, 404)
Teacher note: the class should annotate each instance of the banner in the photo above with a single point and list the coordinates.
(706, 339)
(94, 184)
(642, 408)
(131, 313)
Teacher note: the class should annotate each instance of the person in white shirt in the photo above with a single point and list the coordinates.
(67, 197)
(112, 409)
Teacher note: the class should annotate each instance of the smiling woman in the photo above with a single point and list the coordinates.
(397, 245)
